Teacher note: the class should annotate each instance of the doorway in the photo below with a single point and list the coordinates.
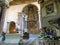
(12, 28)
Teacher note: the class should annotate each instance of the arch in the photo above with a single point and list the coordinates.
(12, 27)
(32, 11)
(30, 5)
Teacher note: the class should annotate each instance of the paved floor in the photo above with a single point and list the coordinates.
(0, 37)
(10, 40)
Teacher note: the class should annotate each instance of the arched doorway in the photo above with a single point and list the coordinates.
(32, 12)
(12, 28)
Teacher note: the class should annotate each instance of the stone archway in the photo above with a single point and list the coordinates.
(32, 12)
(12, 28)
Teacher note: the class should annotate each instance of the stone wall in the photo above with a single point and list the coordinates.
(49, 11)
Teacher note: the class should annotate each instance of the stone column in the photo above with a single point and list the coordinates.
(25, 23)
(20, 22)
(39, 19)
(3, 19)
(5, 5)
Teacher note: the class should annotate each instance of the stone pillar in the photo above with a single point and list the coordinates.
(24, 23)
(20, 22)
(2, 19)
(39, 19)
(5, 5)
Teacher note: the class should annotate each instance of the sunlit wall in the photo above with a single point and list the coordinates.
(12, 14)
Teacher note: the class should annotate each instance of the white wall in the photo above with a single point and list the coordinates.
(12, 13)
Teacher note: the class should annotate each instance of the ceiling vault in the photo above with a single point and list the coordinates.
(17, 2)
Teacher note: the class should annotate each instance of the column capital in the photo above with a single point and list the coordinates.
(4, 3)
